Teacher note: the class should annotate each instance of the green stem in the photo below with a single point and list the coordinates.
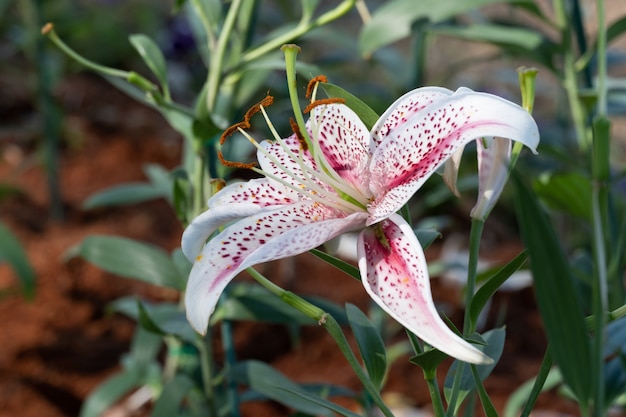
(476, 232)
(206, 368)
(217, 57)
(435, 394)
(599, 210)
(570, 76)
(206, 23)
(302, 28)
(602, 59)
(229, 362)
(49, 31)
(50, 111)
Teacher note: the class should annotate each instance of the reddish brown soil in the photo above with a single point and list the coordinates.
(56, 348)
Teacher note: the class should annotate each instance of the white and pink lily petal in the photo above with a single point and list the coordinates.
(414, 140)
(494, 156)
(395, 275)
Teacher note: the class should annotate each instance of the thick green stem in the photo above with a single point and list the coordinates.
(205, 351)
(476, 233)
(435, 394)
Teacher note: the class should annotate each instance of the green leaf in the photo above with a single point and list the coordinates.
(516, 41)
(496, 34)
(489, 288)
(165, 319)
(174, 391)
(144, 349)
(365, 112)
(152, 56)
(370, 345)
(266, 380)
(394, 20)
(567, 192)
(426, 237)
(12, 252)
(488, 407)
(109, 392)
(614, 30)
(495, 343)
(131, 259)
(556, 294)
(429, 360)
(123, 195)
(317, 400)
(530, 390)
(340, 264)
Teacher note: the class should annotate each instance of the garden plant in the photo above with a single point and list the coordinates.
(359, 151)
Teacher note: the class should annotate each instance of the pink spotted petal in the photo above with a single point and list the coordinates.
(283, 232)
(493, 166)
(344, 141)
(413, 151)
(403, 108)
(395, 275)
(234, 202)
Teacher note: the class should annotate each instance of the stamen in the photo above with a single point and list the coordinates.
(245, 124)
(296, 131)
(267, 101)
(313, 82)
(232, 164)
(322, 101)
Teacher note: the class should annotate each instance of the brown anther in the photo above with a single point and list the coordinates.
(317, 79)
(323, 101)
(232, 164)
(232, 129)
(243, 125)
(267, 101)
(298, 133)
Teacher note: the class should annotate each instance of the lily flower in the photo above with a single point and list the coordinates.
(340, 178)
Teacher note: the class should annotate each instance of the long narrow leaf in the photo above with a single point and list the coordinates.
(370, 344)
(11, 251)
(556, 294)
(485, 292)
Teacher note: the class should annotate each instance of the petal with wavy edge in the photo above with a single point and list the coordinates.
(493, 167)
(276, 234)
(413, 151)
(403, 108)
(235, 201)
(344, 141)
(394, 274)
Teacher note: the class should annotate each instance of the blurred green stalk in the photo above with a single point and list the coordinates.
(51, 124)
